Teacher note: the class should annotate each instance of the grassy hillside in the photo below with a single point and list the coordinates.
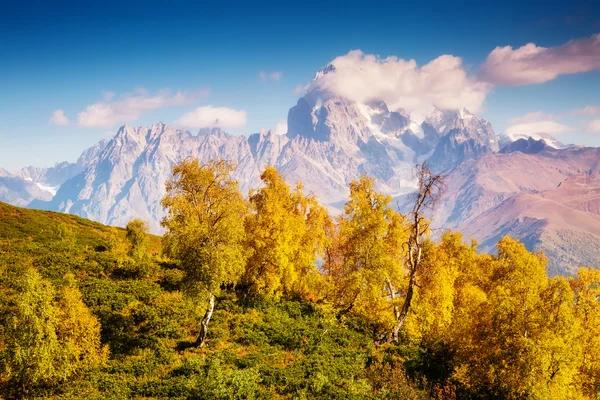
(258, 349)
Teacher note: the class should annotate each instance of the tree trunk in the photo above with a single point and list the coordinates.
(204, 324)
(405, 307)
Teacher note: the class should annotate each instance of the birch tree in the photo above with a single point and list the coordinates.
(285, 234)
(365, 259)
(205, 229)
(430, 188)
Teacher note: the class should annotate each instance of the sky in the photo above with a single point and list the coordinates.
(71, 73)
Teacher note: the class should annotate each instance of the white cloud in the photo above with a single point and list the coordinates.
(129, 107)
(534, 124)
(270, 76)
(281, 128)
(588, 110)
(442, 82)
(59, 118)
(530, 117)
(531, 128)
(208, 117)
(300, 90)
(593, 126)
(531, 64)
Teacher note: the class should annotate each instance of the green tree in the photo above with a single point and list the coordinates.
(47, 336)
(137, 231)
(205, 229)
(32, 349)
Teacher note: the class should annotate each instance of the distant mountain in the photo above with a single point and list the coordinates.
(30, 185)
(329, 143)
(18, 191)
(549, 198)
(528, 146)
(548, 139)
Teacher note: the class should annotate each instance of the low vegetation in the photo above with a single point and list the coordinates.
(269, 297)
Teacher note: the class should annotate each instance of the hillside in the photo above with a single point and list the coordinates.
(89, 311)
(548, 199)
(260, 350)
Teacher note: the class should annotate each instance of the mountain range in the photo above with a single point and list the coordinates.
(532, 188)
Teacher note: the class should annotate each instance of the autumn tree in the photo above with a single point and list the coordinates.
(520, 340)
(285, 234)
(48, 335)
(365, 257)
(78, 331)
(205, 229)
(586, 290)
(430, 187)
(439, 287)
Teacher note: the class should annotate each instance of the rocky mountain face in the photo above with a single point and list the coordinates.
(527, 146)
(463, 137)
(127, 178)
(18, 191)
(548, 139)
(329, 143)
(549, 198)
(33, 184)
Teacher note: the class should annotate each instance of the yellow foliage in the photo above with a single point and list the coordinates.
(205, 224)
(434, 299)
(520, 339)
(285, 234)
(586, 288)
(48, 336)
(365, 257)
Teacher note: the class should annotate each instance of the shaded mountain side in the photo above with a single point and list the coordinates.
(20, 192)
(36, 186)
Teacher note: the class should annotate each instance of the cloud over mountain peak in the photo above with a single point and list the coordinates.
(361, 77)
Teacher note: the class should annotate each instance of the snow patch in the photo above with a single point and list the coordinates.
(416, 129)
(50, 189)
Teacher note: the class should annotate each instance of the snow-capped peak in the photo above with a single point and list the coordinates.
(323, 71)
(546, 137)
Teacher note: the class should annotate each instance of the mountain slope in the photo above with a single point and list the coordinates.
(549, 199)
(34, 185)
(259, 349)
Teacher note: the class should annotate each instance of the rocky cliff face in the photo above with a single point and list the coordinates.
(463, 136)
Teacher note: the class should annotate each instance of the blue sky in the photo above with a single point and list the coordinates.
(68, 56)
